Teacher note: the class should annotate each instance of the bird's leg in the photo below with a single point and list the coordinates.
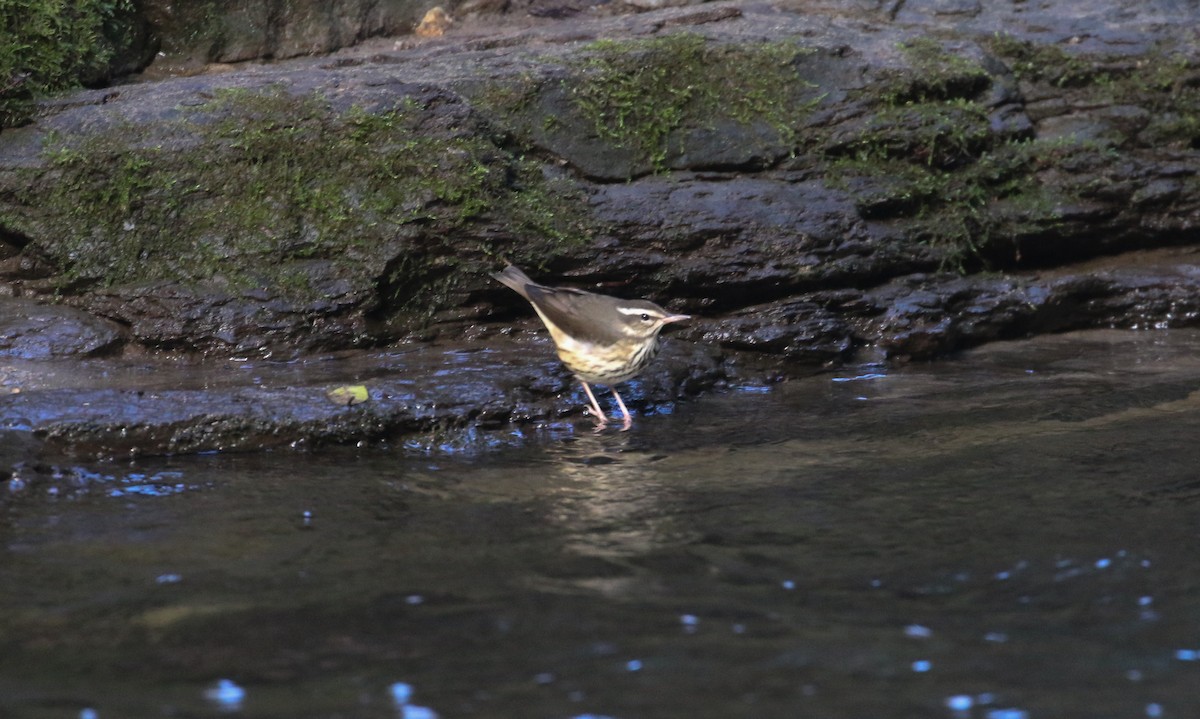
(625, 412)
(594, 410)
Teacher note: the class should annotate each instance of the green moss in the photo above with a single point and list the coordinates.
(274, 179)
(639, 93)
(1014, 191)
(1168, 88)
(1161, 82)
(972, 215)
(933, 74)
(1040, 62)
(647, 96)
(923, 153)
(51, 45)
(959, 218)
(941, 133)
(926, 112)
(508, 99)
(926, 158)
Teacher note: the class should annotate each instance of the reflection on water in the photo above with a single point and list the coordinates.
(1010, 535)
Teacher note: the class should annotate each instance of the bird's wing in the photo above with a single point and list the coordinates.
(577, 313)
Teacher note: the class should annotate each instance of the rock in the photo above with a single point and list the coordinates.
(215, 321)
(32, 330)
(922, 317)
(425, 392)
(226, 31)
(735, 241)
(801, 331)
(809, 182)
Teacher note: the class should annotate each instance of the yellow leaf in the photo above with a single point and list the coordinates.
(348, 395)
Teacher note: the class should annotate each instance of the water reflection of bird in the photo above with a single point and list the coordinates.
(601, 339)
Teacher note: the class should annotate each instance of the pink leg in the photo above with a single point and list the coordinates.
(595, 410)
(624, 412)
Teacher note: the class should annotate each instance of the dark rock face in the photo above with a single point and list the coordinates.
(171, 317)
(33, 330)
(811, 180)
(225, 31)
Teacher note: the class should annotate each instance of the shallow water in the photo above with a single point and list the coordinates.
(1009, 534)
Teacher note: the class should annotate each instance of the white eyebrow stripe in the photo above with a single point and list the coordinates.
(634, 311)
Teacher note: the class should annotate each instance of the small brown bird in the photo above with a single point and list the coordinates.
(602, 339)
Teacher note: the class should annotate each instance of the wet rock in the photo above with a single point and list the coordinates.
(870, 156)
(810, 182)
(922, 317)
(216, 320)
(32, 330)
(424, 393)
(735, 241)
(800, 330)
(226, 31)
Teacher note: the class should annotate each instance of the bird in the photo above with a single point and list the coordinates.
(601, 339)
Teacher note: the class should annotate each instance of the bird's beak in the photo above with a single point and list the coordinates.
(675, 318)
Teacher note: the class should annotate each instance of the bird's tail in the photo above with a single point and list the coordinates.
(515, 279)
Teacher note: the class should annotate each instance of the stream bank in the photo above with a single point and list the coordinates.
(817, 184)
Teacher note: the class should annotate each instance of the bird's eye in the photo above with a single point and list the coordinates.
(645, 317)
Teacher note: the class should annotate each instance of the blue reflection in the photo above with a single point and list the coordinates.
(158, 484)
(402, 694)
(148, 490)
(918, 631)
(156, 477)
(226, 694)
(87, 476)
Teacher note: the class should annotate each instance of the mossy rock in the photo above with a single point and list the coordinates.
(1162, 88)
(392, 206)
(202, 31)
(625, 108)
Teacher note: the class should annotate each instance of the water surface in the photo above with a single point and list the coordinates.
(1009, 534)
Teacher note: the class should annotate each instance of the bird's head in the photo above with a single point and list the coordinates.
(644, 319)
